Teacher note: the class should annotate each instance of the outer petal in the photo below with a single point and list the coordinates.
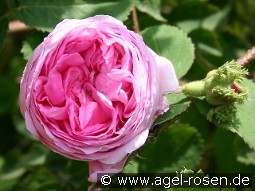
(168, 80)
(120, 153)
(29, 124)
(96, 167)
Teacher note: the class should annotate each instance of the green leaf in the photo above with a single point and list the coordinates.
(11, 168)
(175, 147)
(245, 118)
(1, 162)
(178, 105)
(173, 44)
(189, 25)
(13, 174)
(31, 43)
(175, 98)
(207, 41)
(56, 162)
(75, 173)
(243, 153)
(7, 185)
(39, 179)
(44, 15)
(49, 185)
(234, 46)
(224, 150)
(193, 9)
(191, 117)
(215, 20)
(131, 167)
(151, 7)
(210, 22)
(36, 155)
(78, 171)
(174, 111)
(202, 105)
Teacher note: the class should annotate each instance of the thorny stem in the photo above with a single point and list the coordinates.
(135, 19)
(248, 57)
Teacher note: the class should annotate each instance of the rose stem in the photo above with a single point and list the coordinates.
(248, 57)
(135, 19)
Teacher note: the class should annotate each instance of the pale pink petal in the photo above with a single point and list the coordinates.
(96, 168)
(168, 80)
(29, 124)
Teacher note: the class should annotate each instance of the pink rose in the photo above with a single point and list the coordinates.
(92, 90)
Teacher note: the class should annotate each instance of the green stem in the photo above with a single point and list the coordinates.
(195, 89)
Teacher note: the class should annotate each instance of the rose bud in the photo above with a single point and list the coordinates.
(221, 86)
(92, 90)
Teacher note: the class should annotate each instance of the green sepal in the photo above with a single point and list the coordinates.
(222, 114)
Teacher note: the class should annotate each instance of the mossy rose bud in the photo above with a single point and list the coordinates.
(221, 86)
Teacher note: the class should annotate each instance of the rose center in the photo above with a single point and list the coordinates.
(89, 88)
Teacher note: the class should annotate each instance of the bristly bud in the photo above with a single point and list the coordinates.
(186, 171)
(231, 72)
(221, 86)
(222, 114)
(220, 95)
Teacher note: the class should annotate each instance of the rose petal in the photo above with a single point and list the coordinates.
(96, 168)
(168, 80)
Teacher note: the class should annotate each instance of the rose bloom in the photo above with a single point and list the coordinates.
(92, 90)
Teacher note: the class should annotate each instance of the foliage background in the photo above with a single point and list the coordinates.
(220, 31)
